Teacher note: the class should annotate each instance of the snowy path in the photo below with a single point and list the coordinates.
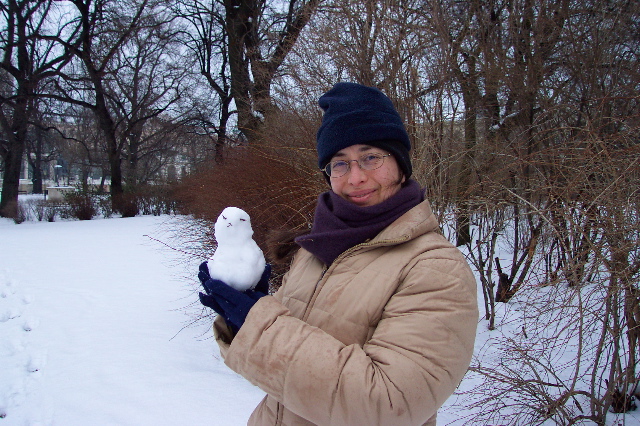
(87, 315)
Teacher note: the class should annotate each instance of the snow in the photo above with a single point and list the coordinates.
(92, 330)
(98, 326)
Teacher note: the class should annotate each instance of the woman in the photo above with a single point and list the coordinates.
(375, 320)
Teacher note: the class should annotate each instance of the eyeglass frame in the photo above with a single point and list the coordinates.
(328, 167)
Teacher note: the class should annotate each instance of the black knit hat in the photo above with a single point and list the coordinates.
(356, 114)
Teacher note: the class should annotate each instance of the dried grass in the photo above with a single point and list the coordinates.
(276, 182)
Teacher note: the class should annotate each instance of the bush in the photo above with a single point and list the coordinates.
(156, 199)
(40, 209)
(47, 210)
(20, 214)
(51, 209)
(144, 199)
(126, 204)
(105, 206)
(279, 192)
(80, 206)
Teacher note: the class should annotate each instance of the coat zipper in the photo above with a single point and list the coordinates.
(279, 413)
(307, 310)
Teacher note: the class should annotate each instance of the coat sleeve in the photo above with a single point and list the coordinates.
(417, 355)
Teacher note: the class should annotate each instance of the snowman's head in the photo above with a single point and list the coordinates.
(233, 225)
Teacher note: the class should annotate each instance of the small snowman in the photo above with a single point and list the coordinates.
(237, 261)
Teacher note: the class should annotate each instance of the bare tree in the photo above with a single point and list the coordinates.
(42, 147)
(143, 96)
(107, 29)
(82, 144)
(205, 36)
(30, 55)
(260, 35)
(571, 189)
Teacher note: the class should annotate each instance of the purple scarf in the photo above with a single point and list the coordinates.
(339, 225)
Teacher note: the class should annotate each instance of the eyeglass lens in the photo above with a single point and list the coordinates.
(368, 162)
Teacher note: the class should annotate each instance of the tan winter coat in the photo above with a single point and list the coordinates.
(381, 337)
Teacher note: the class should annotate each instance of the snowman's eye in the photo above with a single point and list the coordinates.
(224, 218)
(243, 220)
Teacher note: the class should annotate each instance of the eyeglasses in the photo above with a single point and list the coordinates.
(339, 168)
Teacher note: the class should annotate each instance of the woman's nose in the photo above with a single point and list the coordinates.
(356, 174)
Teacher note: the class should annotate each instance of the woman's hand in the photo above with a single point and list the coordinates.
(228, 302)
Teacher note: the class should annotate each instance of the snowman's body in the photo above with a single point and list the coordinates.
(237, 261)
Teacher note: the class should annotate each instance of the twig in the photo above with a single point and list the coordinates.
(173, 248)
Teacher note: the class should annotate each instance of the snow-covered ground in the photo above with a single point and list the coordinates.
(91, 331)
(95, 330)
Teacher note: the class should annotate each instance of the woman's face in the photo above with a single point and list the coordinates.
(367, 187)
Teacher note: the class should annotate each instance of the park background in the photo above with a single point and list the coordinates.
(523, 118)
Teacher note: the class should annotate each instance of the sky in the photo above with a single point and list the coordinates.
(100, 324)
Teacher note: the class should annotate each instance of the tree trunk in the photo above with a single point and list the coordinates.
(114, 153)
(117, 188)
(251, 74)
(470, 95)
(37, 175)
(221, 140)
(11, 181)
(13, 158)
(240, 19)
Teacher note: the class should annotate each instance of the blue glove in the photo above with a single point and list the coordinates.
(235, 305)
(205, 299)
(262, 288)
(232, 304)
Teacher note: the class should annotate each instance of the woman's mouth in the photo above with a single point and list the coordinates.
(360, 197)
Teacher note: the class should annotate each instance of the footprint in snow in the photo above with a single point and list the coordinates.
(30, 324)
(37, 361)
(7, 287)
(12, 395)
(8, 313)
(7, 291)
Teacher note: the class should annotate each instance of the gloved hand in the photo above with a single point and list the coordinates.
(232, 304)
(203, 272)
(262, 288)
(206, 299)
